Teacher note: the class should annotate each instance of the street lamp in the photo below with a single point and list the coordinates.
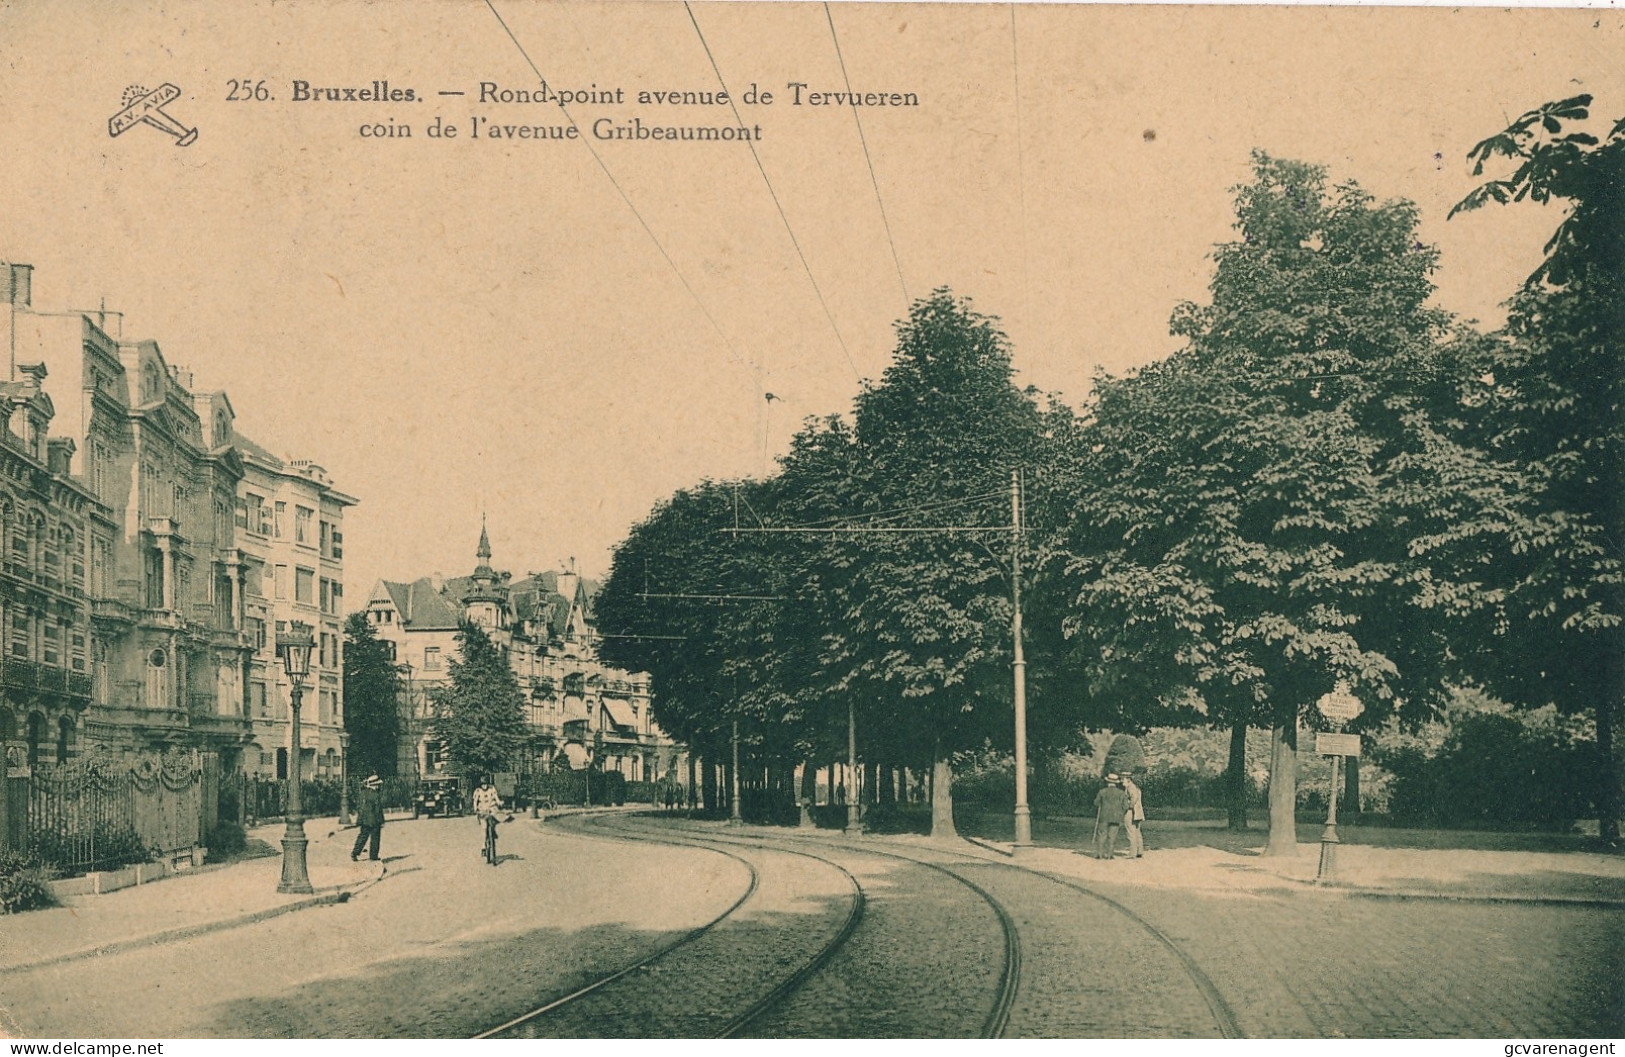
(344, 777)
(294, 645)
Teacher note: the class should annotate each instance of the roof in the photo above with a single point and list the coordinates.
(422, 607)
(254, 450)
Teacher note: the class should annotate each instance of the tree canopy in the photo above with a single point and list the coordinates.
(1554, 382)
(372, 690)
(1286, 503)
(479, 711)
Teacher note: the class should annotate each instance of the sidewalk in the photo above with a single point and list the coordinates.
(1399, 873)
(1579, 878)
(187, 904)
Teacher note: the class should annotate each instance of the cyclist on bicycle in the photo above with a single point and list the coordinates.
(487, 803)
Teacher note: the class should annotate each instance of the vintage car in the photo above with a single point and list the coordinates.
(438, 795)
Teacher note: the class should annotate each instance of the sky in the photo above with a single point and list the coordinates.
(558, 333)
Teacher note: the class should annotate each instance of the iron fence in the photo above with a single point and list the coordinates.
(103, 811)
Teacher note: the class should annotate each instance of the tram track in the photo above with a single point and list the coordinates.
(508, 1028)
(996, 1021)
(1222, 1016)
(533, 1023)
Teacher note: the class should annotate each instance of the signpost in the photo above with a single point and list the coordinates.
(1339, 706)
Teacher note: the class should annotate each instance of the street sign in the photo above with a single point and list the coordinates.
(1337, 744)
(1340, 704)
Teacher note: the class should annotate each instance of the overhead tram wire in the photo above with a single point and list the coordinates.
(754, 368)
(862, 140)
(1021, 170)
(896, 512)
(775, 196)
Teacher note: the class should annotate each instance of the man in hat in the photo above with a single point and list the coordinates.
(369, 817)
(1111, 804)
(1135, 816)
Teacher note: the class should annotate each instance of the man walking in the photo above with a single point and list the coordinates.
(1111, 805)
(1135, 816)
(369, 818)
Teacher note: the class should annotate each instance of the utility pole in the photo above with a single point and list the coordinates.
(734, 818)
(1024, 819)
(854, 815)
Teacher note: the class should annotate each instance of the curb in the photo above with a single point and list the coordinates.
(1412, 895)
(186, 932)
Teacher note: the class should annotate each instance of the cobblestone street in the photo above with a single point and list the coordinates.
(632, 927)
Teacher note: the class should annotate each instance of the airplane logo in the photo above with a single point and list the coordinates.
(144, 107)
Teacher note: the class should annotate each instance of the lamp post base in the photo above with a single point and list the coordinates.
(1024, 827)
(295, 872)
(1327, 872)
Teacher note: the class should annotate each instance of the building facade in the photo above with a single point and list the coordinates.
(128, 583)
(581, 711)
(290, 526)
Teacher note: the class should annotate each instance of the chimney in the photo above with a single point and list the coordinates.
(182, 375)
(59, 459)
(437, 582)
(17, 284)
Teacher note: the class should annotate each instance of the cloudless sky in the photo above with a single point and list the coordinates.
(458, 325)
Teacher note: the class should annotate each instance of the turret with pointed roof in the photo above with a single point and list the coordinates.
(486, 601)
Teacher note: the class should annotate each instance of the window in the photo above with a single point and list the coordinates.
(282, 583)
(52, 553)
(53, 644)
(431, 658)
(99, 457)
(20, 633)
(338, 545)
(302, 525)
(77, 649)
(325, 534)
(258, 515)
(281, 520)
(254, 628)
(242, 514)
(20, 543)
(74, 548)
(155, 578)
(304, 586)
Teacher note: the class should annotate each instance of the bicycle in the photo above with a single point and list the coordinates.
(490, 851)
(491, 839)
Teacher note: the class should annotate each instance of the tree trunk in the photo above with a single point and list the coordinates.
(709, 791)
(1237, 776)
(888, 785)
(1607, 773)
(693, 786)
(1283, 787)
(942, 799)
(871, 783)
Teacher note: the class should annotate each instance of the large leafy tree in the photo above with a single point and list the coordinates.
(479, 711)
(913, 609)
(693, 604)
(1553, 404)
(1285, 504)
(372, 689)
(887, 601)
